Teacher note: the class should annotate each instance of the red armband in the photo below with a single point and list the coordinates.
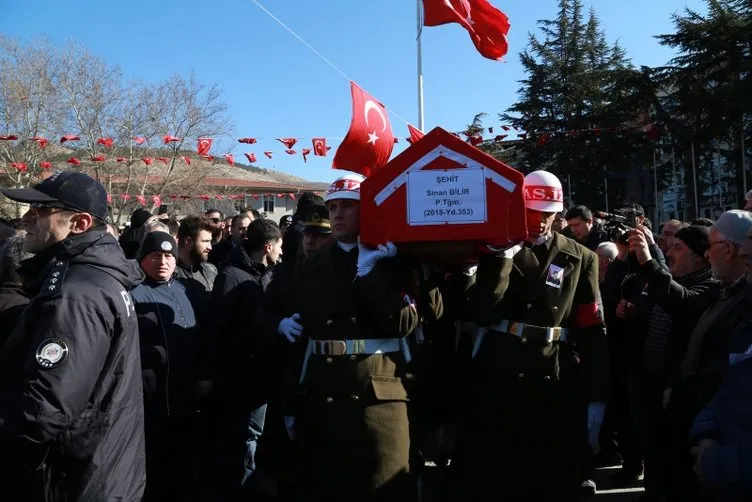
(588, 314)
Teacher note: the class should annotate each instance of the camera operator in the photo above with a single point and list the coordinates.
(583, 229)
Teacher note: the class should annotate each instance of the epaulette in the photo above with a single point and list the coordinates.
(55, 278)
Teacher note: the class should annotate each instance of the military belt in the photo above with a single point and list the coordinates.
(349, 347)
(526, 332)
(353, 347)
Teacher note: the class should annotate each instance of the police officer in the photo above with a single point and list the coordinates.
(352, 420)
(70, 374)
(539, 357)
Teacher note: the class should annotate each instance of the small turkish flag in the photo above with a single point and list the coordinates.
(141, 199)
(488, 26)
(120, 159)
(107, 142)
(204, 145)
(319, 147)
(69, 137)
(268, 154)
(42, 142)
(163, 160)
(10, 137)
(288, 142)
(248, 141)
(208, 157)
(157, 200)
(139, 140)
(148, 160)
(74, 161)
(98, 158)
(109, 199)
(169, 139)
(500, 137)
(369, 141)
(506, 127)
(125, 196)
(229, 158)
(305, 152)
(45, 165)
(20, 166)
(251, 157)
(290, 152)
(415, 133)
(186, 159)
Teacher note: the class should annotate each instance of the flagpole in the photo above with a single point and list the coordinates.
(421, 124)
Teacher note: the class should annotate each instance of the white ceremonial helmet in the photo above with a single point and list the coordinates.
(345, 187)
(543, 192)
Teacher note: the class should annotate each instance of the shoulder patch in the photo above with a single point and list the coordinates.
(51, 353)
(55, 278)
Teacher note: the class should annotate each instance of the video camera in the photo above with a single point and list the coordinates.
(619, 223)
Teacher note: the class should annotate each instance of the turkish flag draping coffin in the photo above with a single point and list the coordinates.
(442, 190)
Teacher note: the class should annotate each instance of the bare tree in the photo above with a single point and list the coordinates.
(29, 107)
(47, 92)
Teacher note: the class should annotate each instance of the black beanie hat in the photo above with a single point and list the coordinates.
(696, 237)
(158, 241)
(139, 217)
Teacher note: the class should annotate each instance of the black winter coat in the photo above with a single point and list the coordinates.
(70, 376)
(237, 298)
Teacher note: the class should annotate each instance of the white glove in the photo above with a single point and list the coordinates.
(506, 252)
(595, 413)
(367, 257)
(290, 328)
(290, 426)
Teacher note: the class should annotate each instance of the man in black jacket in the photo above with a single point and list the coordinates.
(238, 292)
(70, 374)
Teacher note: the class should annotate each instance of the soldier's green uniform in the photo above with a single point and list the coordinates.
(351, 413)
(539, 357)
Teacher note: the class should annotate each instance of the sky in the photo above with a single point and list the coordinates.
(275, 86)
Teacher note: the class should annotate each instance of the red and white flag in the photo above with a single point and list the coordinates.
(488, 26)
(319, 147)
(369, 141)
(415, 133)
(288, 142)
(204, 145)
(251, 157)
(230, 159)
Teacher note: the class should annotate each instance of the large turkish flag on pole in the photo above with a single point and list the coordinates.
(369, 141)
(487, 25)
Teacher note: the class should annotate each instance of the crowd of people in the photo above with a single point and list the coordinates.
(213, 357)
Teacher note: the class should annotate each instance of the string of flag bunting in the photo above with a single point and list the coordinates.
(319, 145)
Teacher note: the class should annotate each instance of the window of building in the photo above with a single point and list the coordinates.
(268, 203)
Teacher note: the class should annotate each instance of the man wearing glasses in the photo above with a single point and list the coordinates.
(70, 375)
(722, 329)
(218, 223)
